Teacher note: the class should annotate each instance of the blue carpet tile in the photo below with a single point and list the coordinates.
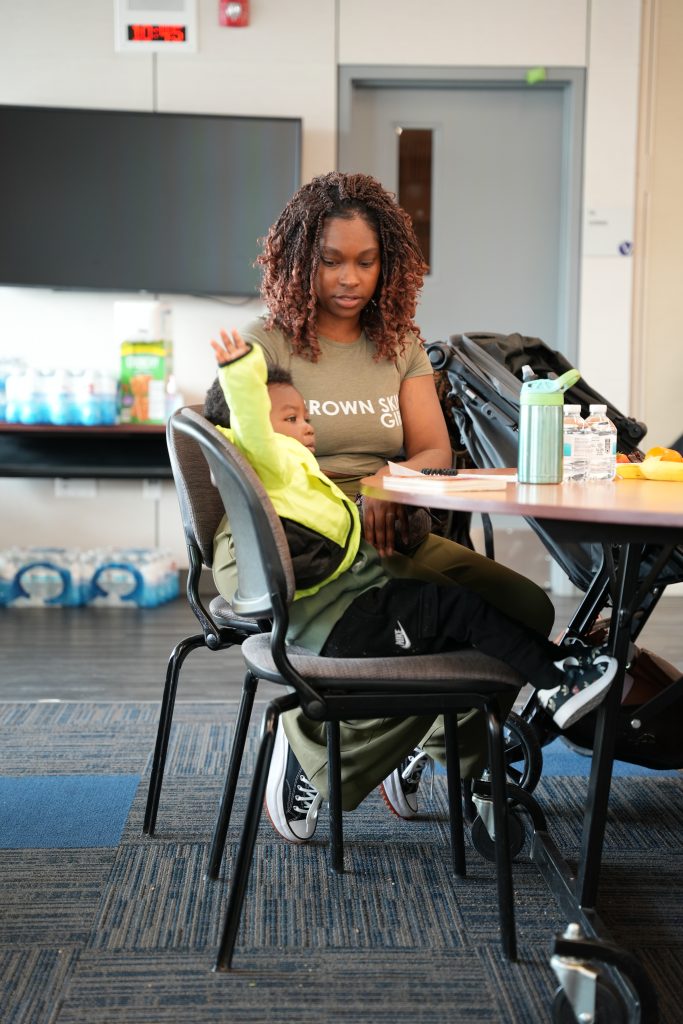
(48, 812)
(559, 759)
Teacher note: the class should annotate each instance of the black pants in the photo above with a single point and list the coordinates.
(412, 617)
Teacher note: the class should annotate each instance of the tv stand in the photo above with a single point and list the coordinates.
(125, 451)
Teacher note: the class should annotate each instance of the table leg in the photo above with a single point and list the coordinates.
(605, 732)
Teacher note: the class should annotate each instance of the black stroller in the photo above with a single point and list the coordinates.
(479, 379)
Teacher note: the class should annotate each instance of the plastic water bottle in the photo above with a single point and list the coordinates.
(59, 398)
(602, 459)
(105, 390)
(576, 442)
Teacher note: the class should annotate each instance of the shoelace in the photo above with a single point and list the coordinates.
(412, 773)
(307, 799)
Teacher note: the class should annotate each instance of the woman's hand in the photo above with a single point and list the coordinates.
(380, 519)
(230, 347)
(426, 444)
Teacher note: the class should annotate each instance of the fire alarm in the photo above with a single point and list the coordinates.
(233, 13)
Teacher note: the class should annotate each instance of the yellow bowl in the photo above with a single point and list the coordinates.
(653, 468)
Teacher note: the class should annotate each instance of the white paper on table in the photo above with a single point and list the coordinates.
(397, 469)
(433, 484)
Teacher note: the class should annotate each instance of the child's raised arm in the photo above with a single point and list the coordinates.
(230, 347)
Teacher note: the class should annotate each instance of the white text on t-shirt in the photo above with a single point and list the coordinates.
(388, 412)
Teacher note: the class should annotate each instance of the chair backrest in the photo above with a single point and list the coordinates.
(265, 577)
(201, 507)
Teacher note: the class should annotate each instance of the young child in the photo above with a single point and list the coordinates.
(346, 605)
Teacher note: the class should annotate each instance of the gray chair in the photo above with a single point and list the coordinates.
(331, 689)
(201, 510)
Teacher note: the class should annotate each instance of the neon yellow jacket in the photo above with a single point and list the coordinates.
(321, 523)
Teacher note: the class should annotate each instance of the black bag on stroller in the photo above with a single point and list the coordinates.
(480, 382)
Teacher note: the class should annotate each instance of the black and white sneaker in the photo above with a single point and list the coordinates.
(586, 682)
(292, 802)
(399, 790)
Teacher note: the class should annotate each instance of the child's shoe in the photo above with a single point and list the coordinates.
(585, 684)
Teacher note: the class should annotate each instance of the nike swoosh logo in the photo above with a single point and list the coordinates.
(401, 637)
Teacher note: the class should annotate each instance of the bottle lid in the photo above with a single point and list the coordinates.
(548, 392)
(572, 408)
(598, 408)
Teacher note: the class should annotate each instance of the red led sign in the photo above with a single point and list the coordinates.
(157, 33)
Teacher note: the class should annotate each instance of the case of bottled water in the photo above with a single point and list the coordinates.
(61, 577)
(37, 577)
(144, 577)
(60, 397)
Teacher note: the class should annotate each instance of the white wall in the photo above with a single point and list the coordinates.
(285, 63)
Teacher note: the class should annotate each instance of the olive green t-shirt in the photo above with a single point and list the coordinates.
(352, 399)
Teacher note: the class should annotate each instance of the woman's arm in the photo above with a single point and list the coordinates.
(427, 446)
(425, 435)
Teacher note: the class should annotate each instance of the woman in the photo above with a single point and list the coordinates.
(342, 275)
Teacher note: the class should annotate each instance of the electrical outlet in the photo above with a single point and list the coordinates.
(72, 487)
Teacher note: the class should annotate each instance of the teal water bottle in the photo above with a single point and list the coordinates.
(540, 429)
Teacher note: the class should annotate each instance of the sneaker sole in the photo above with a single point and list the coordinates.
(575, 709)
(392, 800)
(272, 804)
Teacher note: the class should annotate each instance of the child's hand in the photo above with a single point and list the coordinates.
(230, 347)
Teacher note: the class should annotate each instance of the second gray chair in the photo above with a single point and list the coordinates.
(201, 510)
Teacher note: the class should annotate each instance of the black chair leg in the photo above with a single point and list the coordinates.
(234, 764)
(245, 853)
(455, 794)
(178, 655)
(506, 905)
(334, 786)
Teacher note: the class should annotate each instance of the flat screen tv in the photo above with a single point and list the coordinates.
(131, 201)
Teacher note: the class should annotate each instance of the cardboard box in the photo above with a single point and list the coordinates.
(145, 369)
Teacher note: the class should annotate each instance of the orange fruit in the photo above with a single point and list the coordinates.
(665, 454)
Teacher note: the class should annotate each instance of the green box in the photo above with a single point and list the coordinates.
(145, 369)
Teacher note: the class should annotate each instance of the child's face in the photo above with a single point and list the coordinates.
(288, 414)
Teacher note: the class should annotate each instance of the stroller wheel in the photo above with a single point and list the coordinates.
(486, 846)
(609, 1006)
(523, 754)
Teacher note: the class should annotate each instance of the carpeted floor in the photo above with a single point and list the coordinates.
(124, 930)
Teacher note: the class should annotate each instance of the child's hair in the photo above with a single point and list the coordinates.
(291, 256)
(216, 408)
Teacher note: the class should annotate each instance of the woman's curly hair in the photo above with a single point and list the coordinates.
(291, 256)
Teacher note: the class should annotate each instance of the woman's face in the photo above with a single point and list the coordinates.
(347, 275)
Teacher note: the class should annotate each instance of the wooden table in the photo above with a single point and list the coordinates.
(642, 507)
(626, 513)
